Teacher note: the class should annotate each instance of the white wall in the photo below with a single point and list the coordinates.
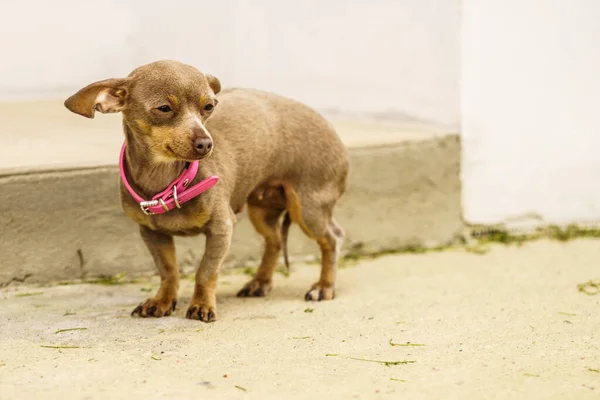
(531, 111)
(528, 74)
(385, 58)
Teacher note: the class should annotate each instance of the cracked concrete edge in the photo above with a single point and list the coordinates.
(68, 224)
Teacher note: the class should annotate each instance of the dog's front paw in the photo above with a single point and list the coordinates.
(255, 288)
(155, 308)
(320, 291)
(203, 312)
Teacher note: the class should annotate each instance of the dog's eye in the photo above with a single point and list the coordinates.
(164, 109)
(208, 107)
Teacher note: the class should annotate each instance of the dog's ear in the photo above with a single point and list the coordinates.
(214, 83)
(107, 96)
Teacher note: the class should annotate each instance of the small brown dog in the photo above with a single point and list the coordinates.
(274, 154)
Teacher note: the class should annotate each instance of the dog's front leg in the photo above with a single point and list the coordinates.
(162, 249)
(204, 301)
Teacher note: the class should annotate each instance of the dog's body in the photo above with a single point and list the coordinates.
(273, 154)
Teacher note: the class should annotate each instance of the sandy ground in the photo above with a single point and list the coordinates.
(507, 325)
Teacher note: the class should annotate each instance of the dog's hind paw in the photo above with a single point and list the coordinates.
(255, 288)
(319, 292)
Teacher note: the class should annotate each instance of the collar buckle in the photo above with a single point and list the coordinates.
(144, 205)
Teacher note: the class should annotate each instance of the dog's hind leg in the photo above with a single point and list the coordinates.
(313, 211)
(330, 245)
(266, 222)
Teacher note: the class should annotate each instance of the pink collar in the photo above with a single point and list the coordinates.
(175, 194)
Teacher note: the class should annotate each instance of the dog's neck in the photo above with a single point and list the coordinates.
(145, 174)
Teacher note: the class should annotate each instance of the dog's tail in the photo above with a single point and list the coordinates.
(285, 228)
(293, 213)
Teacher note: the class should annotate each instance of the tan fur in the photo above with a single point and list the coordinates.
(266, 223)
(271, 152)
(162, 250)
(143, 126)
(294, 207)
(174, 100)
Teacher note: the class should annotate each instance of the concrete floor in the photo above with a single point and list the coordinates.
(508, 325)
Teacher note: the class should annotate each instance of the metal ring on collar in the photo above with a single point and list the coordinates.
(164, 205)
(175, 199)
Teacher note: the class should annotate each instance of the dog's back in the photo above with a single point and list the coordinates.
(274, 138)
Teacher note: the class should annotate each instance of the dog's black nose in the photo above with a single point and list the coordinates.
(203, 145)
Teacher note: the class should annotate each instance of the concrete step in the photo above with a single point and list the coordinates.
(61, 216)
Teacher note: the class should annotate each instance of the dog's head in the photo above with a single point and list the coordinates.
(165, 104)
